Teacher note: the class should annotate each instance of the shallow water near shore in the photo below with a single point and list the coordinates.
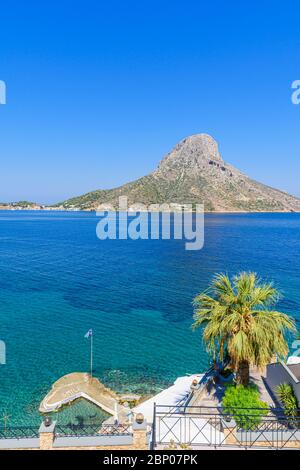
(57, 280)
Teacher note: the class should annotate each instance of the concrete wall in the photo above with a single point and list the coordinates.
(278, 373)
(22, 443)
(138, 439)
(93, 441)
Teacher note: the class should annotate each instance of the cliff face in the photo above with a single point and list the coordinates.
(194, 172)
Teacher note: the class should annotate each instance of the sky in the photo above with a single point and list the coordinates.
(98, 92)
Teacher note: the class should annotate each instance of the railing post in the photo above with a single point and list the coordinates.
(153, 441)
(139, 430)
(47, 434)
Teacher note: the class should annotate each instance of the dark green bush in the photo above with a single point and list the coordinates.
(244, 405)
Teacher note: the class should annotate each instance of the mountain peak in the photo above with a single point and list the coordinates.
(203, 145)
(193, 151)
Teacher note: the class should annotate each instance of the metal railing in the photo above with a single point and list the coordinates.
(80, 430)
(210, 426)
(19, 432)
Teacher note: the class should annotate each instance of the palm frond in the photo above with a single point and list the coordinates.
(235, 317)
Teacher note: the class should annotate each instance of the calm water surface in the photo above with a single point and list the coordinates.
(57, 280)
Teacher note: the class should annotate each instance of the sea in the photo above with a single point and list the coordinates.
(58, 280)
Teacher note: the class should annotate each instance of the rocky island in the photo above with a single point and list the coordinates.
(193, 172)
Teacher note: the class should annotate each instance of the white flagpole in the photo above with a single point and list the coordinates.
(116, 413)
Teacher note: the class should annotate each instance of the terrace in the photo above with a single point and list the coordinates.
(189, 414)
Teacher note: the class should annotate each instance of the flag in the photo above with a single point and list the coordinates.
(89, 334)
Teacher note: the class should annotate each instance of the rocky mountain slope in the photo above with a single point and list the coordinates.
(194, 172)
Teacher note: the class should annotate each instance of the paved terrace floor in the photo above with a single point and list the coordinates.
(213, 394)
(258, 377)
(82, 385)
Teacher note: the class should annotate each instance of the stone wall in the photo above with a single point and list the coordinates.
(138, 440)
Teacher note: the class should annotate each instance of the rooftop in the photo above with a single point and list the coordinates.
(295, 369)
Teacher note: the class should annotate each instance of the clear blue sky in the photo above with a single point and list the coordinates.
(98, 92)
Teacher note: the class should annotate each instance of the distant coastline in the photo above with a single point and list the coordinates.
(191, 175)
(41, 208)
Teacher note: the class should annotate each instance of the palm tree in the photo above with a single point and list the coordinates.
(238, 319)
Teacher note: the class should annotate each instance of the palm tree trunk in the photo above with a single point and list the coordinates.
(242, 374)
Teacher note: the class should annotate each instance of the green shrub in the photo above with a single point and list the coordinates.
(236, 398)
(287, 397)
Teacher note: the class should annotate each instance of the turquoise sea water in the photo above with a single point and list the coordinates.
(57, 280)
